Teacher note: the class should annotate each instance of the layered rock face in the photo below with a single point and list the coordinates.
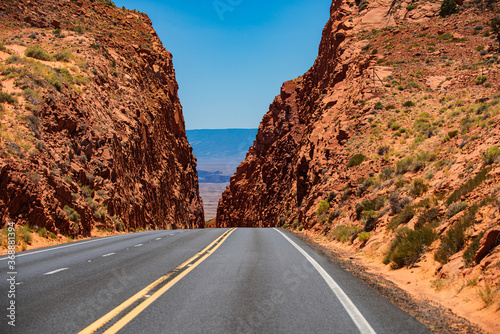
(392, 133)
(93, 133)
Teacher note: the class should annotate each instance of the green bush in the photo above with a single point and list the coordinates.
(364, 236)
(454, 239)
(72, 214)
(64, 56)
(35, 51)
(469, 186)
(386, 173)
(378, 106)
(419, 187)
(455, 208)
(403, 217)
(448, 7)
(404, 165)
(409, 104)
(343, 233)
(370, 205)
(333, 215)
(491, 155)
(480, 79)
(357, 159)
(42, 232)
(428, 217)
(331, 196)
(323, 207)
(12, 59)
(408, 246)
(23, 234)
(471, 251)
(6, 97)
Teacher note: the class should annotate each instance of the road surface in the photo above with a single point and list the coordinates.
(192, 281)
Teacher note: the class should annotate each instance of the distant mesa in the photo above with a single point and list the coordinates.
(212, 177)
(221, 143)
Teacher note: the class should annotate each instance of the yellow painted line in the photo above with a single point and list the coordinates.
(132, 314)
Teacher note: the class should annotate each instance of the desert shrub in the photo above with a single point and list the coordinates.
(386, 173)
(404, 165)
(454, 239)
(362, 5)
(491, 155)
(119, 226)
(471, 251)
(370, 205)
(428, 217)
(323, 207)
(100, 212)
(403, 217)
(64, 56)
(333, 215)
(409, 104)
(343, 233)
(79, 29)
(455, 208)
(331, 196)
(378, 106)
(36, 51)
(12, 59)
(87, 192)
(480, 79)
(487, 294)
(419, 187)
(393, 125)
(72, 214)
(408, 246)
(364, 236)
(42, 232)
(448, 7)
(7, 98)
(384, 149)
(23, 235)
(397, 204)
(357, 159)
(469, 186)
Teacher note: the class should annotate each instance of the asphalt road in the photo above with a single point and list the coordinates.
(192, 281)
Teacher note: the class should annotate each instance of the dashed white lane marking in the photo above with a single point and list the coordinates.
(138, 245)
(56, 271)
(109, 254)
(158, 239)
(56, 248)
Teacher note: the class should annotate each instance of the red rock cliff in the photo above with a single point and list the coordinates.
(94, 133)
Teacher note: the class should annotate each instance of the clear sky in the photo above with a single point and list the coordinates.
(231, 56)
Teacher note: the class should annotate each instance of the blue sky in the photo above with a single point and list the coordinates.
(231, 56)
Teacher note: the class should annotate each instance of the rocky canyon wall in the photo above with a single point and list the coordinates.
(92, 131)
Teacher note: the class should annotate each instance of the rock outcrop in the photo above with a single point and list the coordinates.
(92, 131)
(392, 135)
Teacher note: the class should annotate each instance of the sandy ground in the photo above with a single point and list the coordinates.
(211, 193)
(459, 296)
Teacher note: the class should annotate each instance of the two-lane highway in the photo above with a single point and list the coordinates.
(193, 281)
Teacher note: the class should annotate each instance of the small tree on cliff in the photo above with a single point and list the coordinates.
(495, 27)
(447, 8)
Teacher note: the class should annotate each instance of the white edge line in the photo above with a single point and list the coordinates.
(56, 248)
(352, 310)
(138, 245)
(56, 271)
(109, 254)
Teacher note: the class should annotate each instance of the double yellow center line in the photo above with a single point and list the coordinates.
(117, 318)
